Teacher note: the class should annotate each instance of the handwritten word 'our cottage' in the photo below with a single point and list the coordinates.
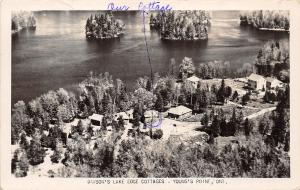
(154, 5)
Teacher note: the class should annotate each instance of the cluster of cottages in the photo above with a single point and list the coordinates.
(259, 82)
(151, 116)
(254, 82)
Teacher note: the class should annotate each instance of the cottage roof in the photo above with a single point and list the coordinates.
(96, 117)
(193, 79)
(179, 110)
(255, 77)
(123, 115)
(129, 127)
(109, 127)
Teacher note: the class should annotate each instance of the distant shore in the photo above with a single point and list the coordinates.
(20, 29)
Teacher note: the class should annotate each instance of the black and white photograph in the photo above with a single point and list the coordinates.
(150, 94)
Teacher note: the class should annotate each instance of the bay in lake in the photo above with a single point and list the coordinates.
(57, 53)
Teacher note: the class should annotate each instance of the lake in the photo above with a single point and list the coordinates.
(57, 53)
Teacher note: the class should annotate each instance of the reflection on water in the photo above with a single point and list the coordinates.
(57, 53)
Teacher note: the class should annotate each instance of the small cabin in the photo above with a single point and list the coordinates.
(123, 115)
(179, 112)
(96, 120)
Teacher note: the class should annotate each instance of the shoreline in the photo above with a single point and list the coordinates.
(274, 29)
(91, 37)
(187, 40)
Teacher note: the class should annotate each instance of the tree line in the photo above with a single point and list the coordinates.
(274, 60)
(266, 19)
(21, 20)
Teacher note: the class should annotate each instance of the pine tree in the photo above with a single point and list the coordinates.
(215, 126)
(159, 104)
(228, 91)
(280, 127)
(56, 156)
(107, 104)
(149, 85)
(104, 124)
(235, 96)
(35, 153)
(136, 118)
(233, 123)
(245, 98)
(121, 122)
(23, 142)
(90, 130)
(247, 127)
(221, 92)
(287, 142)
(14, 161)
(224, 128)
(267, 96)
(80, 127)
(205, 120)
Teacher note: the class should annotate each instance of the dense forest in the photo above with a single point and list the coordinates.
(223, 69)
(21, 20)
(274, 60)
(266, 19)
(261, 150)
(181, 25)
(103, 26)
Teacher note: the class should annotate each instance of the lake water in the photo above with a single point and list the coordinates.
(57, 53)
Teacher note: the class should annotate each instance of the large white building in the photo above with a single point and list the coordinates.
(256, 82)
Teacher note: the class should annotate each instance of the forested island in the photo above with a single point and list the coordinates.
(266, 20)
(103, 26)
(181, 25)
(229, 129)
(22, 20)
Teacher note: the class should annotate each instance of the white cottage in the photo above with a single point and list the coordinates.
(194, 80)
(124, 116)
(272, 83)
